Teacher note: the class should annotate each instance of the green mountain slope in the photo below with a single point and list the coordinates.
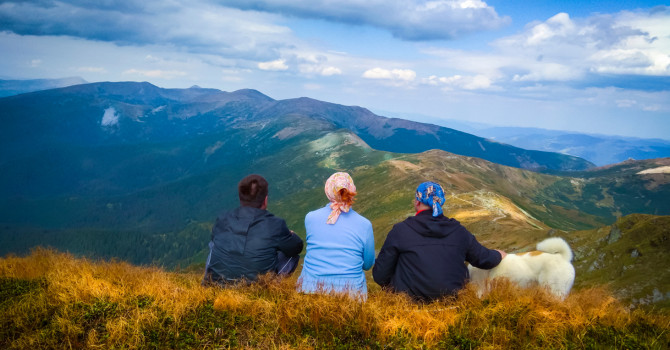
(404, 136)
(135, 113)
(505, 206)
(146, 184)
(629, 257)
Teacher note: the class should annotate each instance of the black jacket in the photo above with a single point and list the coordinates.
(424, 256)
(244, 244)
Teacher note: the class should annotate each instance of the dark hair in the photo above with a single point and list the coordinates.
(252, 190)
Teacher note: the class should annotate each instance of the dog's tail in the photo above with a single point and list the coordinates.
(556, 245)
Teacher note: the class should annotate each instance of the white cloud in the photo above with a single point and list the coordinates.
(563, 48)
(627, 49)
(276, 65)
(35, 63)
(110, 118)
(311, 63)
(198, 26)
(407, 19)
(548, 72)
(328, 71)
(647, 101)
(393, 74)
(475, 82)
(559, 25)
(631, 61)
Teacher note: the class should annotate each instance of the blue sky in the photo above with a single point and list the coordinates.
(597, 67)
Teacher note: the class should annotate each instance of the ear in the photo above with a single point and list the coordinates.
(265, 203)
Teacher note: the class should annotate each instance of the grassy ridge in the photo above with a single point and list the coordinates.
(52, 300)
(629, 256)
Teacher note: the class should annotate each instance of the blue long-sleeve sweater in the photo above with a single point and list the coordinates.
(337, 254)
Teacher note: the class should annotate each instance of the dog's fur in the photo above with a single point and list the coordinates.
(549, 267)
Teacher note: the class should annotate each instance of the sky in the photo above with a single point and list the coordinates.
(594, 67)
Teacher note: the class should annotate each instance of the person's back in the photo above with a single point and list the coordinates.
(249, 240)
(427, 255)
(338, 249)
(424, 256)
(335, 253)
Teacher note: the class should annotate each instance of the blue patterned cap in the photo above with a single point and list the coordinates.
(432, 195)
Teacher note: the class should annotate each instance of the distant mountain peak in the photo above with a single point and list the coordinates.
(252, 93)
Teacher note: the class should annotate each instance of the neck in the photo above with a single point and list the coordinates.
(421, 207)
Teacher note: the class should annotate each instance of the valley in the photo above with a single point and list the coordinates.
(135, 172)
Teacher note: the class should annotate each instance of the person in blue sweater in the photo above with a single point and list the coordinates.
(424, 256)
(340, 243)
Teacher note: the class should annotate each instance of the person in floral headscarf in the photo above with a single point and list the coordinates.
(424, 256)
(340, 243)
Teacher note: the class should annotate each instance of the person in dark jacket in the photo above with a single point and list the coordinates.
(249, 240)
(424, 256)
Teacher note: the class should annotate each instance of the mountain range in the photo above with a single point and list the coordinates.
(137, 172)
(599, 149)
(596, 148)
(15, 87)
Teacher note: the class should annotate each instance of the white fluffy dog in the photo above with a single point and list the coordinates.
(548, 266)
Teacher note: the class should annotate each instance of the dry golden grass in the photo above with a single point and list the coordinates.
(53, 300)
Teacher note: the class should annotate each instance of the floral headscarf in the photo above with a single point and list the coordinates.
(432, 195)
(334, 184)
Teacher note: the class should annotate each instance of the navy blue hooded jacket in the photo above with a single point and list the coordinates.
(424, 256)
(244, 244)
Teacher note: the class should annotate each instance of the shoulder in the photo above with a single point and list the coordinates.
(323, 209)
(400, 227)
(452, 225)
(404, 223)
(226, 213)
(318, 213)
(360, 217)
(225, 217)
(268, 218)
(272, 218)
(357, 219)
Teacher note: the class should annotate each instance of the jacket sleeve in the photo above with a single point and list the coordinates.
(368, 248)
(480, 256)
(289, 243)
(387, 259)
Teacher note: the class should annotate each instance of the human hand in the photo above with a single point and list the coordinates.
(502, 253)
